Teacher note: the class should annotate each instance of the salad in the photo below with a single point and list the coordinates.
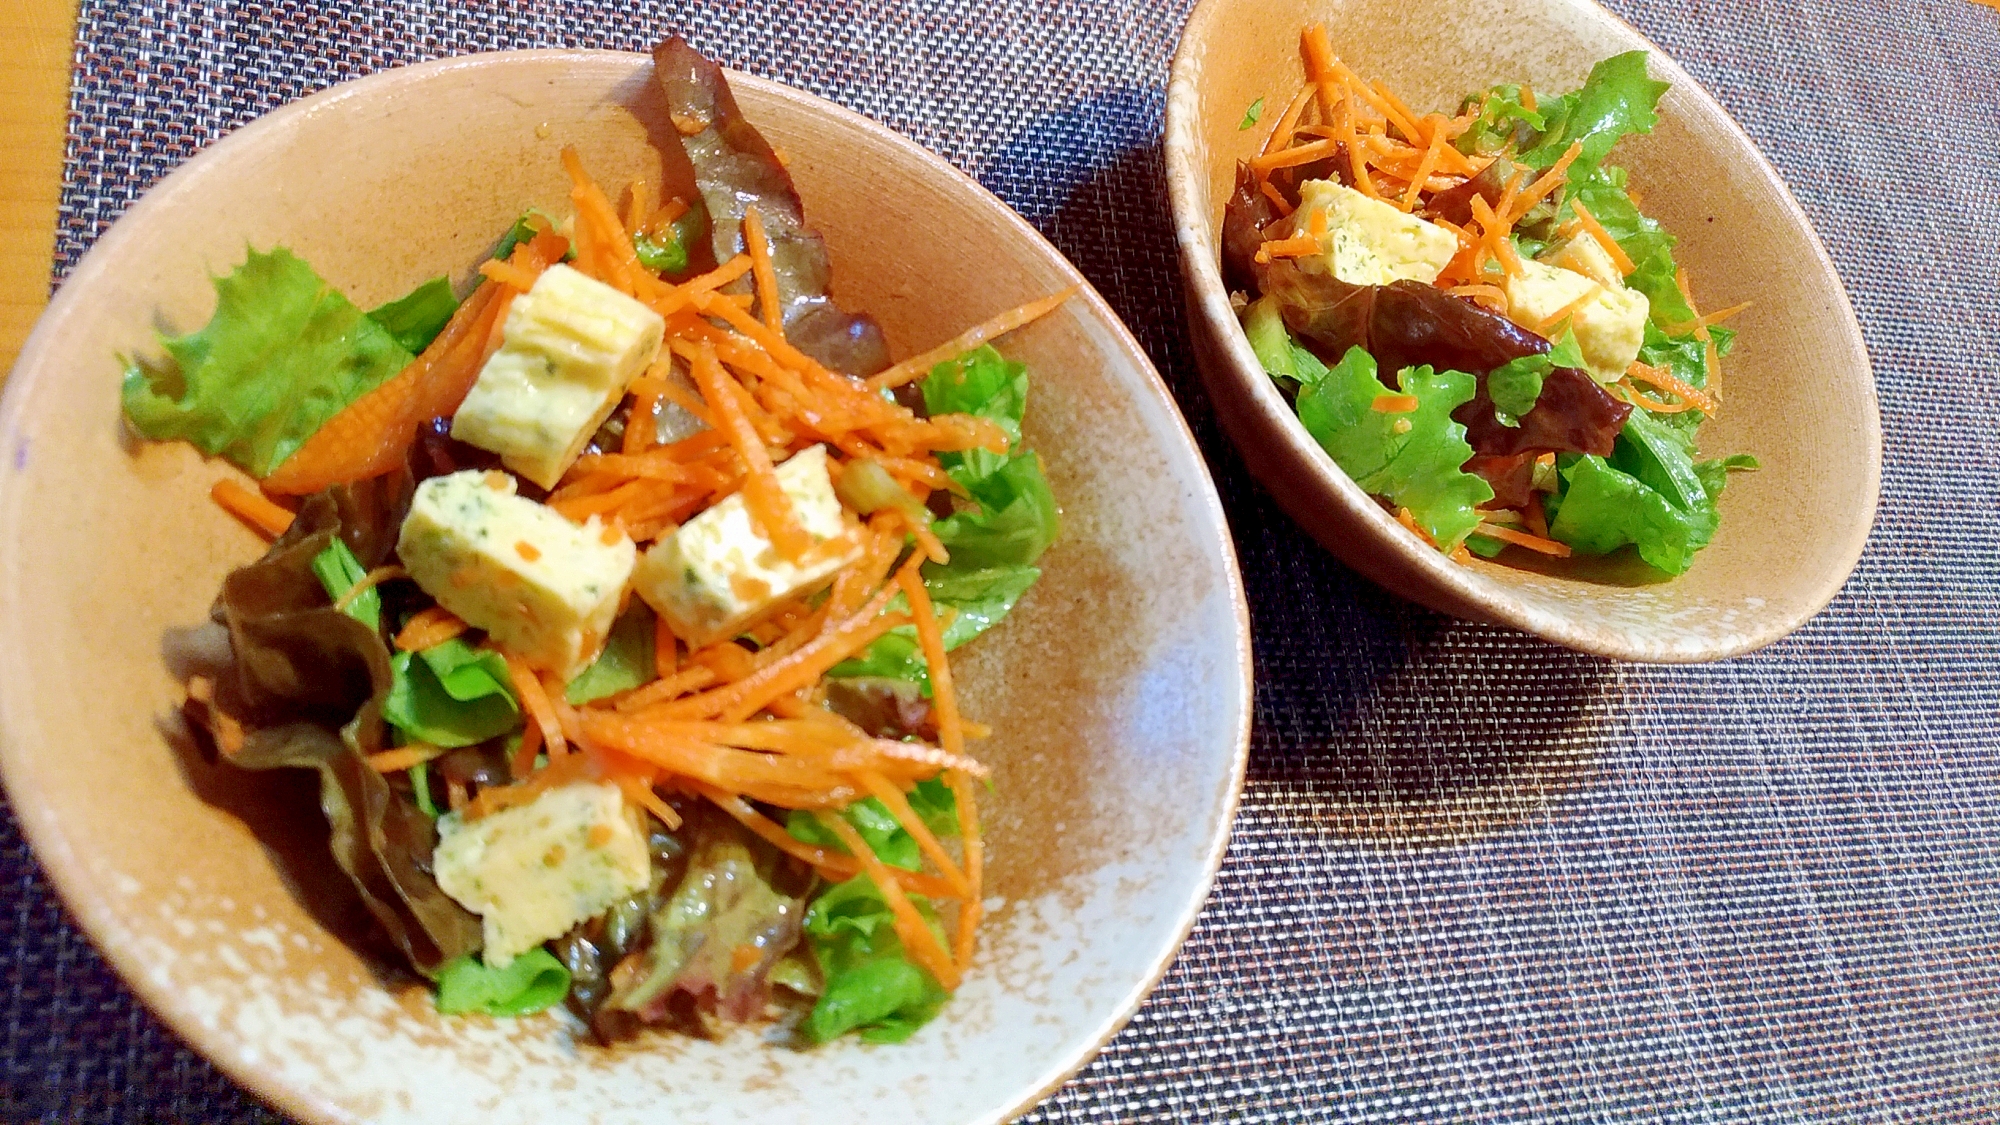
(611, 602)
(1474, 318)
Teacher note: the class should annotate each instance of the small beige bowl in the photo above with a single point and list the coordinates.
(1119, 691)
(1799, 393)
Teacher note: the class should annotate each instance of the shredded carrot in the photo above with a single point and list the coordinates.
(1424, 168)
(1491, 296)
(920, 365)
(1320, 69)
(1620, 260)
(1537, 519)
(1281, 136)
(638, 204)
(1297, 246)
(927, 541)
(762, 494)
(1667, 381)
(402, 758)
(668, 212)
(1631, 394)
(566, 716)
(1704, 321)
(368, 582)
(528, 689)
(760, 268)
(1276, 197)
(1409, 521)
(1549, 181)
(666, 688)
(973, 907)
(523, 762)
(666, 648)
(641, 794)
(1524, 539)
(370, 436)
(836, 865)
(506, 273)
(615, 258)
(1356, 162)
(931, 637)
(918, 940)
(428, 628)
(927, 843)
(1394, 404)
(253, 508)
(691, 291)
(1392, 108)
(1293, 157)
(647, 390)
(1527, 97)
(561, 770)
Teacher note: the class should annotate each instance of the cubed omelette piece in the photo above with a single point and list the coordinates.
(544, 588)
(718, 572)
(1610, 324)
(1369, 242)
(532, 871)
(569, 348)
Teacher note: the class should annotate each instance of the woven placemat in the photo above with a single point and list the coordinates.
(1475, 877)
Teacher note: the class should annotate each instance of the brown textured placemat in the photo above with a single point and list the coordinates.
(1474, 877)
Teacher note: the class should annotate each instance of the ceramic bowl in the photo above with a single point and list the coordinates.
(1119, 691)
(1799, 393)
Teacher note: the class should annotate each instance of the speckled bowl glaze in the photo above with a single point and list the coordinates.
(1798, 389)
(1119, 691)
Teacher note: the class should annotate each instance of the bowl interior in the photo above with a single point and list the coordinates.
(1118, 692)
(1797, 389)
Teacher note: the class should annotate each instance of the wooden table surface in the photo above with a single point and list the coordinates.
(35, 42)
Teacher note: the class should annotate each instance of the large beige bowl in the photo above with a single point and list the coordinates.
(1798, 388)
(1119, 691)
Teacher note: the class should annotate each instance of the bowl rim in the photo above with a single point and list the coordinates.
(1208, 300)
(65, 866)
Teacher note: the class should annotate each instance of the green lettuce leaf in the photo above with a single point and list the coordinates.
(1016, 520)
(993, 544)
(1501, 115)
(338, 570)
(1603, 194)
(1661, 457)
(1280, 355)
(871, 985)
(973, 601)
(985, 384)
(451, 694)
(283, 353)
(1687, 358)
(1516, 385)
(625, 663)
(416, 318)
(1015, 517)
(1419, 468)
(1251, 115)
(1616, 101)
(1603, 509)
(531, 982)
(932, 800)
(1714, 474)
